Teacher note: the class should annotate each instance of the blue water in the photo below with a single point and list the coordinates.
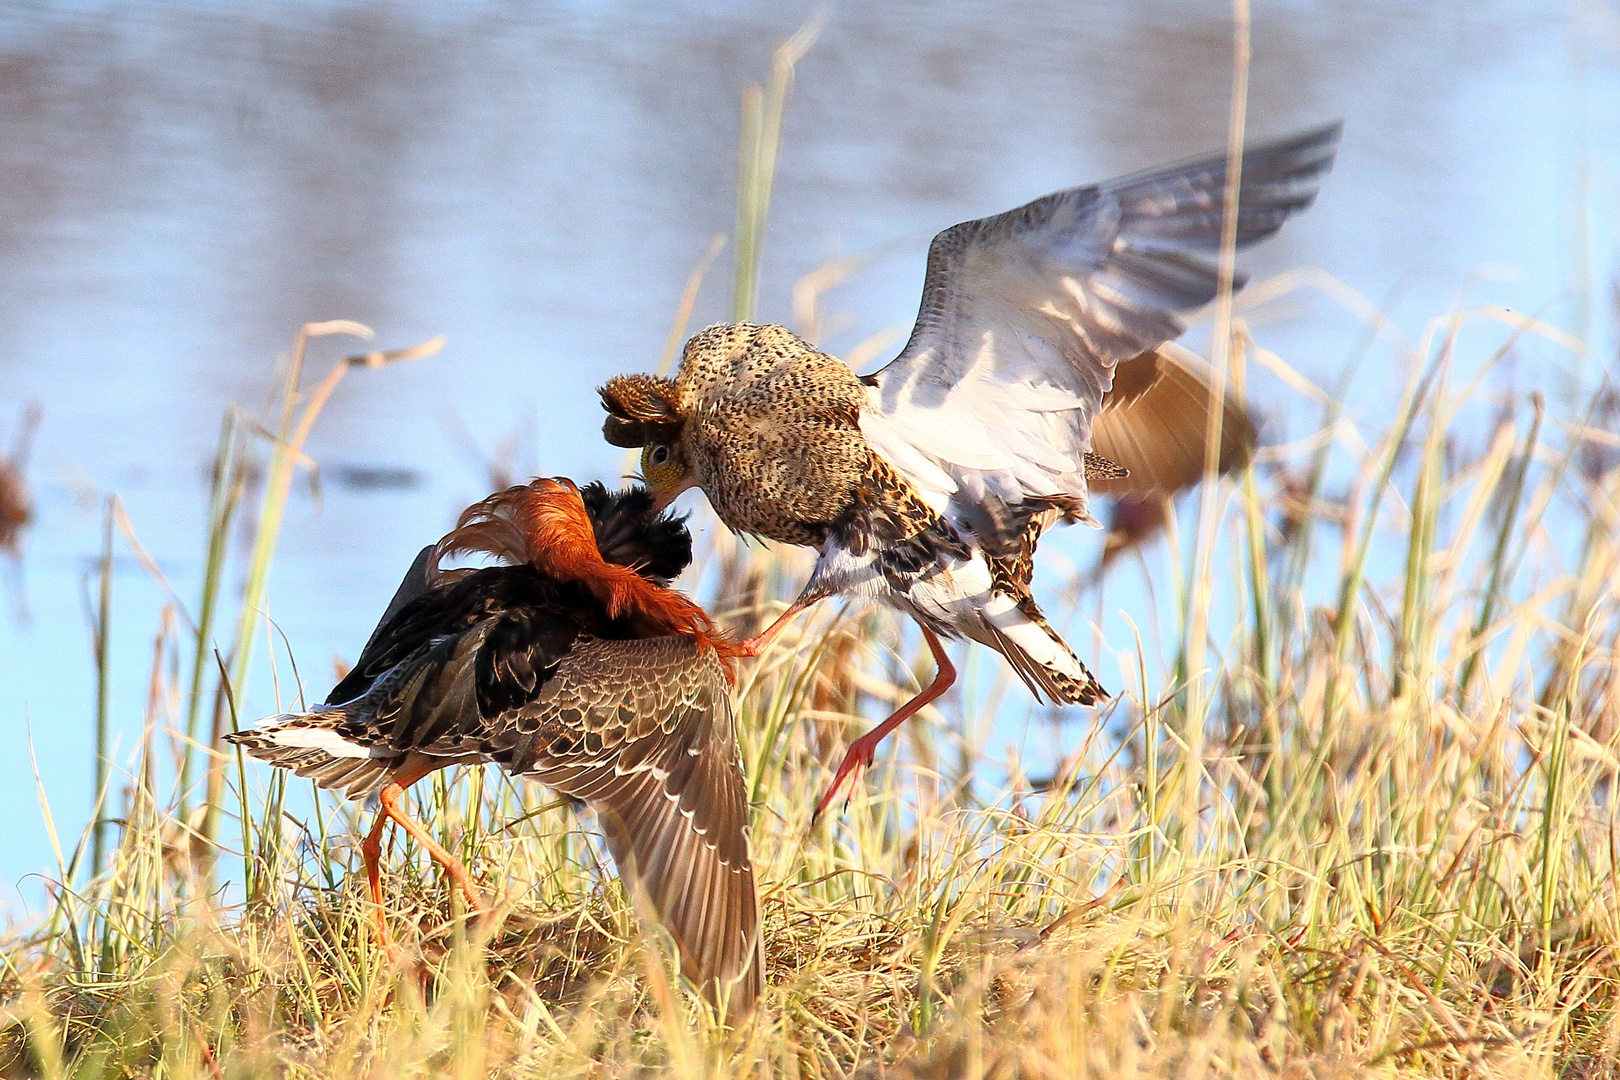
(181, 185)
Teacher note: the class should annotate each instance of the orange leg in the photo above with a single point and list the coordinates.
(863, 749)
(389, 797)
(757, 644)
(388, 809)
(371, 854)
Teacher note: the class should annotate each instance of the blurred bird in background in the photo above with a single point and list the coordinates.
(1133, 522)
(17, 504)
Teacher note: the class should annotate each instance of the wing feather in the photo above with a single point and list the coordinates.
(668, 788)
(1002, 387)
(1154, 422)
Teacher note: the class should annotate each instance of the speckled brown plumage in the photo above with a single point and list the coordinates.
(535, 671)
(639, 407)
(886, 516)
(772, 431)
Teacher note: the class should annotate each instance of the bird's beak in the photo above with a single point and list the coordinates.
(662, 499)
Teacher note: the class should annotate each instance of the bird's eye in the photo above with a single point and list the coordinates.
(659, 455)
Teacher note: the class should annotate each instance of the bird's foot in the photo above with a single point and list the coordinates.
(864, 749)
(756, 645)
(859, 756)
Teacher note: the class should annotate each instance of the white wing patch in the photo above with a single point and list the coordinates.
(1003, 428)
(302, 736)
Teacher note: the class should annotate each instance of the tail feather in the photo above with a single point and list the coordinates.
(310, 745)
(1040, 657)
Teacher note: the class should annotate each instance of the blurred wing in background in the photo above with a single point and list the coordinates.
(1154, 422)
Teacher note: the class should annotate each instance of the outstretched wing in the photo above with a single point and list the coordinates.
(642, 732)
(995, 399)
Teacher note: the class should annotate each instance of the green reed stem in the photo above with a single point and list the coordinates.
(222, 502)
(1499, 560)
(760, 134)
(103, 646)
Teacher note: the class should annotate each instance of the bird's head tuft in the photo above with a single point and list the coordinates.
(640, 408)
(644, 411)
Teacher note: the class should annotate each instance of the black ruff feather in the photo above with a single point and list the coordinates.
(630, 533)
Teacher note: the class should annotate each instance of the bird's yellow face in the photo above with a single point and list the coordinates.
(665, 467)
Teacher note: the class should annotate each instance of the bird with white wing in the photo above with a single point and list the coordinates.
(1041, 370)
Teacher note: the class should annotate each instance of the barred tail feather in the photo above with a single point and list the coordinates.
(990, 605)
(1042, 659)
(309, 745)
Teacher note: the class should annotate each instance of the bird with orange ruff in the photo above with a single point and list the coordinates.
(575, 665)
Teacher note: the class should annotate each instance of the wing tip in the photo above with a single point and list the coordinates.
(681, 845)
(1322, 139)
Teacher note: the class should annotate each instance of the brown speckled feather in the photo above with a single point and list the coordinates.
(772, 430)
(658, 762)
